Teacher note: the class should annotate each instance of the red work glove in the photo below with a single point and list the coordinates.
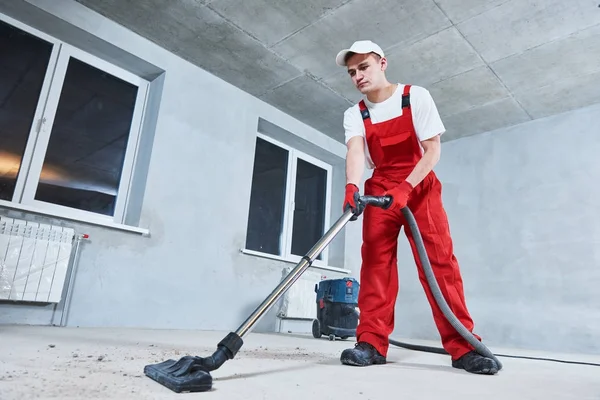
(400, 195)
(350, 200)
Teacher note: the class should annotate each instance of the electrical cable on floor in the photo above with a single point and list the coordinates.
(439, 350)
(549, 359)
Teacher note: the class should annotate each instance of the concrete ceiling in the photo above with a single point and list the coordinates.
(487, 63)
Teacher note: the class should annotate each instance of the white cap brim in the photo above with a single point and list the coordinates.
(341, 56)
(358, 47)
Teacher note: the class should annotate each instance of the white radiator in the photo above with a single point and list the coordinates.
(300, 301)
(34, 259)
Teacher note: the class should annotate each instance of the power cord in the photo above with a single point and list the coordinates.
(439, 350)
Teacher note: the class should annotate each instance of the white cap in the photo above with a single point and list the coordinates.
(360, 47)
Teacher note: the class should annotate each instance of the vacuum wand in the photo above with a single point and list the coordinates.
(289, 280)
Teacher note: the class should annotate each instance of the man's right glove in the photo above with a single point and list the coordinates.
(400, 195)
(351, 201)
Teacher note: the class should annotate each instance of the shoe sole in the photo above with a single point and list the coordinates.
(484, 371)
(352, 362)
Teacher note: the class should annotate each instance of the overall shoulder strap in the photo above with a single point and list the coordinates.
(406, 97)
(364, 113)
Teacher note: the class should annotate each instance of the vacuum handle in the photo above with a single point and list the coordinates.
(377, 201)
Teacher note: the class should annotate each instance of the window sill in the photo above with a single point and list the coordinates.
(92, 221)
(279, 258)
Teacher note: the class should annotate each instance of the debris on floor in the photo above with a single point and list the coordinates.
(108, 363)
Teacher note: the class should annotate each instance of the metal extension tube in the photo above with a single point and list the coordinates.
(293, 276)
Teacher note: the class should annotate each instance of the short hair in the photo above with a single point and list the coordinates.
(350, 54)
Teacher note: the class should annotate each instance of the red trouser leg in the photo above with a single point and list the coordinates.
(378, 277)
(427, 207)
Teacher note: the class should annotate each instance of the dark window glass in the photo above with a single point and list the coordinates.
(23, 62)
(267, 199)
(309, 214)
(83, 162)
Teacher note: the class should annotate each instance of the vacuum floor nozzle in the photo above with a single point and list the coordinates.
(184, 375)
(192, 373)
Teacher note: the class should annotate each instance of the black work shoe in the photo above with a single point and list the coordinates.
(361, 355)
(476, 363)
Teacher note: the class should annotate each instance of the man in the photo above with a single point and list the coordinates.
(396, 129)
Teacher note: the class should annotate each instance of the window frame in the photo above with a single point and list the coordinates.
(42, 125)
(39, 110)
(286, 234)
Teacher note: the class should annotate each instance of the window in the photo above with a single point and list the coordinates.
(289, 202)
(69, 126)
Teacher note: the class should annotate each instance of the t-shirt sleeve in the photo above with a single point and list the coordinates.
(426, 118)
(353, 124)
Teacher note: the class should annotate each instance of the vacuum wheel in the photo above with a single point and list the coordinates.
(316, 329)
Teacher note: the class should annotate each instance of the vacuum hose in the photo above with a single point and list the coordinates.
(439, 298)
(385, 202)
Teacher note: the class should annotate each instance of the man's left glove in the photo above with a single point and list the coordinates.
(400, 195)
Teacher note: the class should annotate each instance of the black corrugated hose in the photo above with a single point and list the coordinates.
(439, 298)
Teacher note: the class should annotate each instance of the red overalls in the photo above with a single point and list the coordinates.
(395, 150)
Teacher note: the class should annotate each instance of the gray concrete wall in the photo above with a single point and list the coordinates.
(189, 273)
(524, 210)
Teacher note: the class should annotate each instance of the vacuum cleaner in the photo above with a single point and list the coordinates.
(337, 314)
(192, 373)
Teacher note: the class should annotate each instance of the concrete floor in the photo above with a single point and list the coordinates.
(77, 363)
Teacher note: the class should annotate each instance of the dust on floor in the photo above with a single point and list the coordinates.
(79, 363)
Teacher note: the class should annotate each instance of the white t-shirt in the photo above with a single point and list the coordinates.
(426, 119)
